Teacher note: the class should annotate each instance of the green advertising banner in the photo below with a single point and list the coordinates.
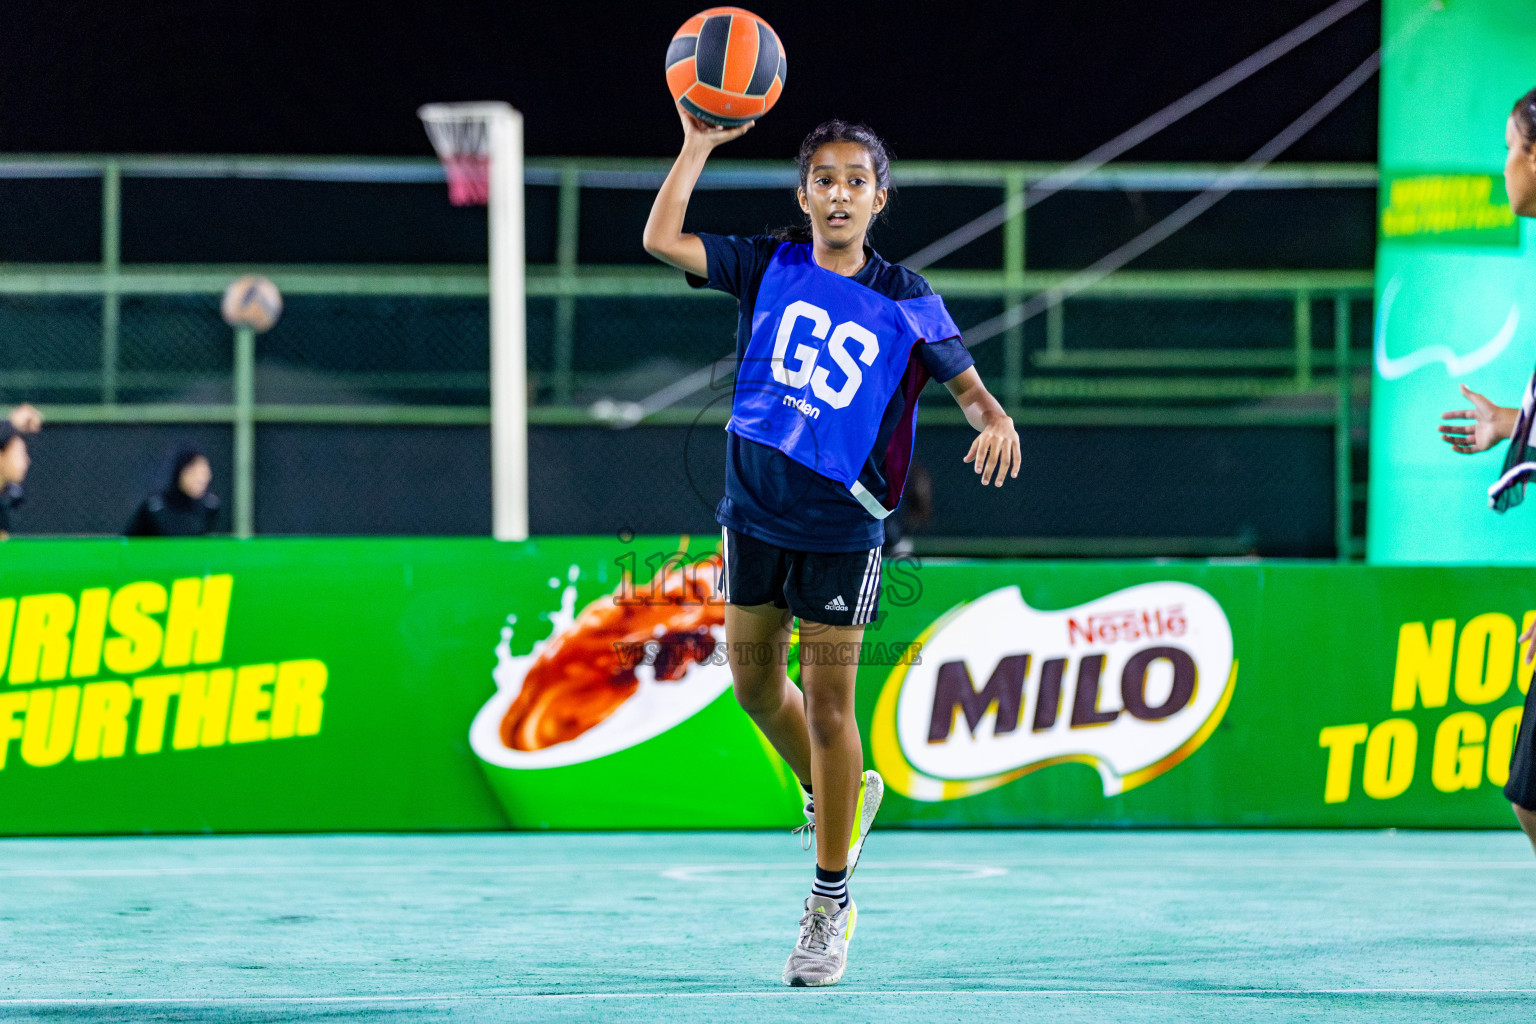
(1455, 276)
(581, 683)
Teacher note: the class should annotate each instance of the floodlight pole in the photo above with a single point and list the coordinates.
(509, 367)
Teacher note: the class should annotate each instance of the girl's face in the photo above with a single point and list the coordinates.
(1519, 171)
(840, 194)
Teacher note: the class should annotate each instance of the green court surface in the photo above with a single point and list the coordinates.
(1005, 925)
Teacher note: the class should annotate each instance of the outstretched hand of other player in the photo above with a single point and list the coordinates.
(1490, 424)
(1526, 638)
(995, 451)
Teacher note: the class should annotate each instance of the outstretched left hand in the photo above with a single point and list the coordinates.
(996, 449)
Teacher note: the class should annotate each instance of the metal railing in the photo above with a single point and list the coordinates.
(1304, 384)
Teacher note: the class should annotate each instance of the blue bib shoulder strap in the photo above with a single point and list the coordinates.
(928, 319)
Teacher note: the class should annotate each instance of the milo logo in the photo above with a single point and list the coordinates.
(1131, 683)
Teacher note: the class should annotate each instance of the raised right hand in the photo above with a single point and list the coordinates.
(702, 133)
(664, 236)
(1490, 424)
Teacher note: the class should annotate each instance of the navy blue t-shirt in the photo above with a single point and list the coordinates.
(770, 496)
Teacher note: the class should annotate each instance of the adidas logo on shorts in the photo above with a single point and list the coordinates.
(836, 604)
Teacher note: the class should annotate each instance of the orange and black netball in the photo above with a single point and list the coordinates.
(726, 66)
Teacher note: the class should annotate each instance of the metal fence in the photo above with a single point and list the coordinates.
(134, 341)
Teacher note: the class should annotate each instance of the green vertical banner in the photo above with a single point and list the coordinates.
(1455, 276)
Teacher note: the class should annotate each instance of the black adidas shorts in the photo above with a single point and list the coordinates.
(1521, 787)
(834, 589)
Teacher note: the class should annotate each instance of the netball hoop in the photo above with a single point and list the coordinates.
(481, 147)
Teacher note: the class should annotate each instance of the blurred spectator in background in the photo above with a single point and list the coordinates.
(184, 507)
(15, 460)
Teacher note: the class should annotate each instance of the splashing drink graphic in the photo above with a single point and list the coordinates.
(594, 725)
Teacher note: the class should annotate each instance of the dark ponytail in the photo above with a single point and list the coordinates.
(1525, 117)
(839, 131)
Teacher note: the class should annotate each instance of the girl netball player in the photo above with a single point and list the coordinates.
(833, 346)
(1492, 424)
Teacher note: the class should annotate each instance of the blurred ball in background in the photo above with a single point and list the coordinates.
(252, 301)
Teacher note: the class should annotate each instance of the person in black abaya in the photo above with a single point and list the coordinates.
(184, 507)
(14, 462)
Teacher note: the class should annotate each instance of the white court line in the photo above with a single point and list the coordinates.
(763, 994)
(1154, 864)
(417, 871)
(937, 871)
(1140, 864)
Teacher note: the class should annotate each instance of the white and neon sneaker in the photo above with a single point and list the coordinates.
(821, 953)
(871, 792)
(807, 832)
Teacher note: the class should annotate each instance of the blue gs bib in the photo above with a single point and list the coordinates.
(825, 357)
